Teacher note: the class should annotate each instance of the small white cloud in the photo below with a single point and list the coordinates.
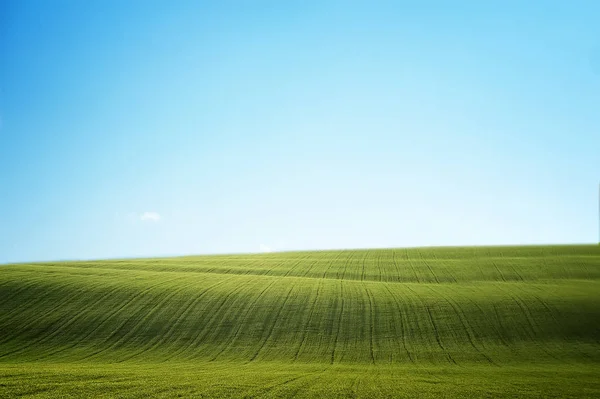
(264, 248)
(150, 217)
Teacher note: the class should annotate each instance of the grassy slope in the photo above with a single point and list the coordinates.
(522, 320)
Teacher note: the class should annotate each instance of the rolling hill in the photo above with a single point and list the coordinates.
(436, 322)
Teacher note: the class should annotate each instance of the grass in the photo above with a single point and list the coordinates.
(443, 322)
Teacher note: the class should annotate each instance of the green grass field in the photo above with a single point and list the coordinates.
(440, 323)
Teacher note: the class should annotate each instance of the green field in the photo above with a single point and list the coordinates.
(440, 323)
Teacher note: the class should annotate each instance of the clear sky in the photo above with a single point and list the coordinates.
(144, 128)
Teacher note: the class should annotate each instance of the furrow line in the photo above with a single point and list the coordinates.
(532, 334)
(362, 278)
(378, 263)
(483, 312)
(249, 309)
(309, 269)
(402, 323)
(339, 323)
(428, 266)
(412, 266)
(310, 313)
(344, 268)
(300, 259)
(24, 285)
(499, 272)
(164, 337)
(465, 324)
(371, 326)
(272, 328)
(192, 302)
(216, 313)
(396, 265)
(516, 271)
(262, 391)
(437, 336)
(331, 263)
(312, 375)
(500, 333)
(119, 309)
(434, 325)
(74, 319)
(147, 317)
(38, 300)
(79, 295)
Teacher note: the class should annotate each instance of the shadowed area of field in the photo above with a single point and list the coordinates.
(347, 319)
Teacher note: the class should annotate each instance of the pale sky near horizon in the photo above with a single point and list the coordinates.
(152, 128)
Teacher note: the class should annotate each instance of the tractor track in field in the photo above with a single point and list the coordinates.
(50, 331)
(426, 263)
(436, 332)
(348, 258)
(187, 307)
(119, 309)
(296, 264)
(24, 286)
(74, 319)
(244, 318)
(371, 326)
(305, 329)
(398, 274)
(532, 329)
(331, 263)
(141, 318)
(378, 264)
(39, 300)
(499, 271)
(339, 323)
(362, 278)
(308, 269)
(437, 336)
(465, 324)
(214, 317)
(154, 342)
(412, 266)
(272, 327)
(402, 323)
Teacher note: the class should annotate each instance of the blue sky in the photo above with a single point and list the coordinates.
(144, 128)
